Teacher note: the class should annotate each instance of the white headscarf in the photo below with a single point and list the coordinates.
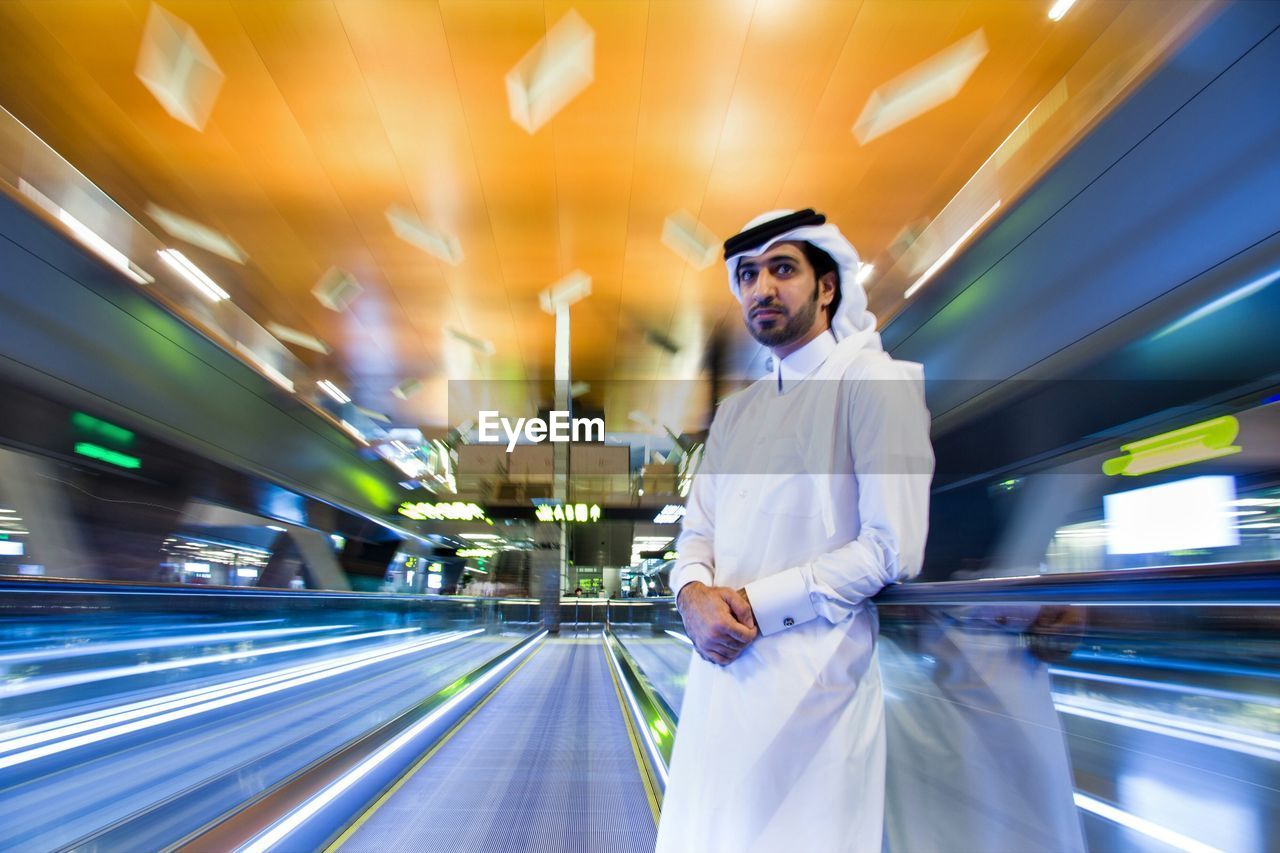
(852, 320)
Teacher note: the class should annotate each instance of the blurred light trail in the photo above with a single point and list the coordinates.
(1152, 830)
(1059, 9)
(1186, 689)
(136, 645)
(950, 252)
(278, 831)
(54, 682)
(67, 726)
(195, 276)
(354, 662)
(1220, 303)
(1147, 720)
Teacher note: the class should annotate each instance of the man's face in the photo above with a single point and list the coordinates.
(781, 302)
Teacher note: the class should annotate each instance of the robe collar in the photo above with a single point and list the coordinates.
(803, 362)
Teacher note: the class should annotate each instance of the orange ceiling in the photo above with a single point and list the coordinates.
(333, 111)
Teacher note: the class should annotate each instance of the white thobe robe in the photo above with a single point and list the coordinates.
(813, 495)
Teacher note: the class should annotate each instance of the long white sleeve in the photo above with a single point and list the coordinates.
(695, 549)
(893, 463)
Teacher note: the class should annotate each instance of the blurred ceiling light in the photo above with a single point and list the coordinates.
(554, 72)
(411, 229)
(643, 419)
(1060, 8)
(1220, 303)
(569, 290)
(478, 344)
(90, 239)
(355, 433)
(198, 235)
(265, 367)
(337, 289)
(691, 240)
(302, 339)
(333, 391)
(913, 93)
(577, 389)
(277, 528)
(193, 274)
(864, 273)
(373, 416)
(950, 252)
(177, 69)
(407, 388)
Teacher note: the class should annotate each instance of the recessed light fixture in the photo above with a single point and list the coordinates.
(333, 391)
(1059, 9)
(207, 287)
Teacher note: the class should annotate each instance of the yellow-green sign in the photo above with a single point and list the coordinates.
(455, 511)
(570, 512)
(1196, 443)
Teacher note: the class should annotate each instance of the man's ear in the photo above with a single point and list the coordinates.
(827, 292)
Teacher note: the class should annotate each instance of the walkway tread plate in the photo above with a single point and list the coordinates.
(544, 765)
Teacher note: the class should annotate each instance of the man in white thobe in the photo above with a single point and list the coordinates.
(812, 496)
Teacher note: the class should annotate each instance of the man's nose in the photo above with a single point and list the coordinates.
(766, 286)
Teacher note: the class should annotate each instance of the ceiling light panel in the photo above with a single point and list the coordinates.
(177, 69)
(554, 72)
(436, 243)
(926, 86)
(196, 234)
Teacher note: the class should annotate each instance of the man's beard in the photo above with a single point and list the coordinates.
(788, 328)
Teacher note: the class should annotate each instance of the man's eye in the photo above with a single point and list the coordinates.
(784, 269)
(746, 276)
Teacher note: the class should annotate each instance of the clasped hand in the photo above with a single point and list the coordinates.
(718, 620)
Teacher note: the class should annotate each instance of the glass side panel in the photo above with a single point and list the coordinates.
(1145, 724)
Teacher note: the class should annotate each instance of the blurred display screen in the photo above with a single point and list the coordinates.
(1194, 513)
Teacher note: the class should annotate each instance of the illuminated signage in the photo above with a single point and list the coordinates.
(111, 457)
(101, 430)
(572, 513)
(670, 514)
(455, 511)
(1196, 443)
(1178, 516)
(479, 553)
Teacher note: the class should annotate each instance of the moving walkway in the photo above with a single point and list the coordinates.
(1135, 709)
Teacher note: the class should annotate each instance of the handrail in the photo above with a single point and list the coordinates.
(1255, 584)
(54, 584)
(1229, 584)
(1214, 584)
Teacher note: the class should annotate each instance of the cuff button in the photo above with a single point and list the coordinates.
(788, 622)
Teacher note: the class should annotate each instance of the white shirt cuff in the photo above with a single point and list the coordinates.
(681, 576)
(780, 601)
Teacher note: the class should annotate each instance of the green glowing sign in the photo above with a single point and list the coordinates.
(572, 512)
(1196, 443)
(102, 430)
(111, 457)
(455, 511)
